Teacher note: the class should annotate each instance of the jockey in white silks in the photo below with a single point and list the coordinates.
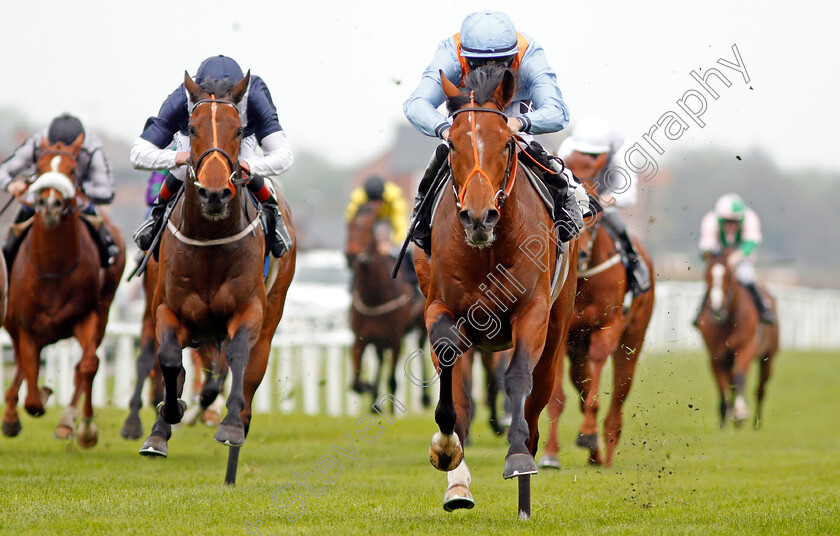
(602, 151)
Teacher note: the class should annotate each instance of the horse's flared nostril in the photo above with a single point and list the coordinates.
(202, 193)
(467, 219)
(491, 218)
(226, 195)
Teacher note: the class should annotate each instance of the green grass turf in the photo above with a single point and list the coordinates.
(675, 473)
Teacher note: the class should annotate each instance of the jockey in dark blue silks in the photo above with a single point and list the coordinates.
(261, 128)
(490, 38)
(93, 177)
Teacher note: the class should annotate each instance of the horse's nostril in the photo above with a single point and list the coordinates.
(491, 218)
(202, 192)
(227, 194)
(467, 219)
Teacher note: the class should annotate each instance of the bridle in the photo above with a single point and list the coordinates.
(510, 172)
(194, 169)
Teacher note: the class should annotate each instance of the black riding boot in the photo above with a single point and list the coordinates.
(765, 314)
(12, 242)
(568, 217)
(108, 249)
(422, 235)
(637, 270)
(278, 240)
(149, 229)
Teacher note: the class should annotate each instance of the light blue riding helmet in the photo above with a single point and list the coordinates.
(488, 34)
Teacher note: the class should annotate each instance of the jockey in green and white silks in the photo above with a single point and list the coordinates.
(733, 225)
(594, 143)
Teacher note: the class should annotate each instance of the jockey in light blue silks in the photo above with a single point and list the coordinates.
(93, 177)
(601, 151)
(734, 226)
(261, 128)
(490, 38)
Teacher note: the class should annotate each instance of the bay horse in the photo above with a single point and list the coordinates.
(734, 337)
(208, 363)
(58, 290)
(211, 288)
(600, 327)
(383, 310)
(485, 285)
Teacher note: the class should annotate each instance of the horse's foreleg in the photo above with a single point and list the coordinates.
(448, 343)
(358, 351)
(254, 373)
(721, 375)
(556, 404)
(86, 334)
(489, 361)
(170, 344)
(133, 427)
(11, 420)
(28, 357)
(396, 350)
(743, 358)
(765, 368)
(624, 367)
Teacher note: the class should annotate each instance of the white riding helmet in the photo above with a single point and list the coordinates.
(591, 135)
(730, 207)
(488, 34)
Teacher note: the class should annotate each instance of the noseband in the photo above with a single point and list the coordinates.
(510, 171)
(194, 169)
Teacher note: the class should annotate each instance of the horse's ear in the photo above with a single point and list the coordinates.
(507, 88)
(449, 89)
(239, 89)
(192, 88)
(76, 146)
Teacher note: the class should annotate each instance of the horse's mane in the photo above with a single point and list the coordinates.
(217, 86)
(483, 81)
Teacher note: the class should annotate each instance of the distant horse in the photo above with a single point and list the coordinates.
(57, 290)
(211, 365)
(734, 336)
(600, 328)
(383, 310)
(488, 282)
(211, 287)
(494, 364)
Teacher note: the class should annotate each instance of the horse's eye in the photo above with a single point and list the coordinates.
(191, 130)
(239, 132)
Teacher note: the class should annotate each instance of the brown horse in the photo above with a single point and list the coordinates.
(600, 327)
(494, 364)
(208, 362)
(485, 284)
(734, 336)
(58, 290)
(211, 287)
(383, 309)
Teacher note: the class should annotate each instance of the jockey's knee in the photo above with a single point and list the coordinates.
(745, 272)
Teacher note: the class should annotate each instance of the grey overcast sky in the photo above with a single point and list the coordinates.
(340, 70)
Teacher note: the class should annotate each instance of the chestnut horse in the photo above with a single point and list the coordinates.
(211, 288)
(600, 328)
(383, 310)
(57, 290)
(485, 285)
(734, 336)
(208, 362)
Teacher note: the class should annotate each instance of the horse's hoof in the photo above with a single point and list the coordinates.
(519, 465)
(172, 415)
(211, 417)
(496, 427)
(445, 452)
(757, 423)
(587, 441)
(132, 428)
(549, 461)
(87, 435)
(155, 446)
(62, 431)
(11, 429)
(44, 392)
(458, 497)
(36, 410)
(231, 435)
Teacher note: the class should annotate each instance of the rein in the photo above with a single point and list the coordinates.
(586, 255)
(386, 307)
(510, 172)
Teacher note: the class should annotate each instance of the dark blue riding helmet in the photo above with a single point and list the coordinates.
(218, 67)
(374, 188)
(65, 128)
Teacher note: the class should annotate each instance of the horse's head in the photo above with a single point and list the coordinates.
(215, 129)
(55, 187)
(719, 283)
(360, 231)
(482, 152)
